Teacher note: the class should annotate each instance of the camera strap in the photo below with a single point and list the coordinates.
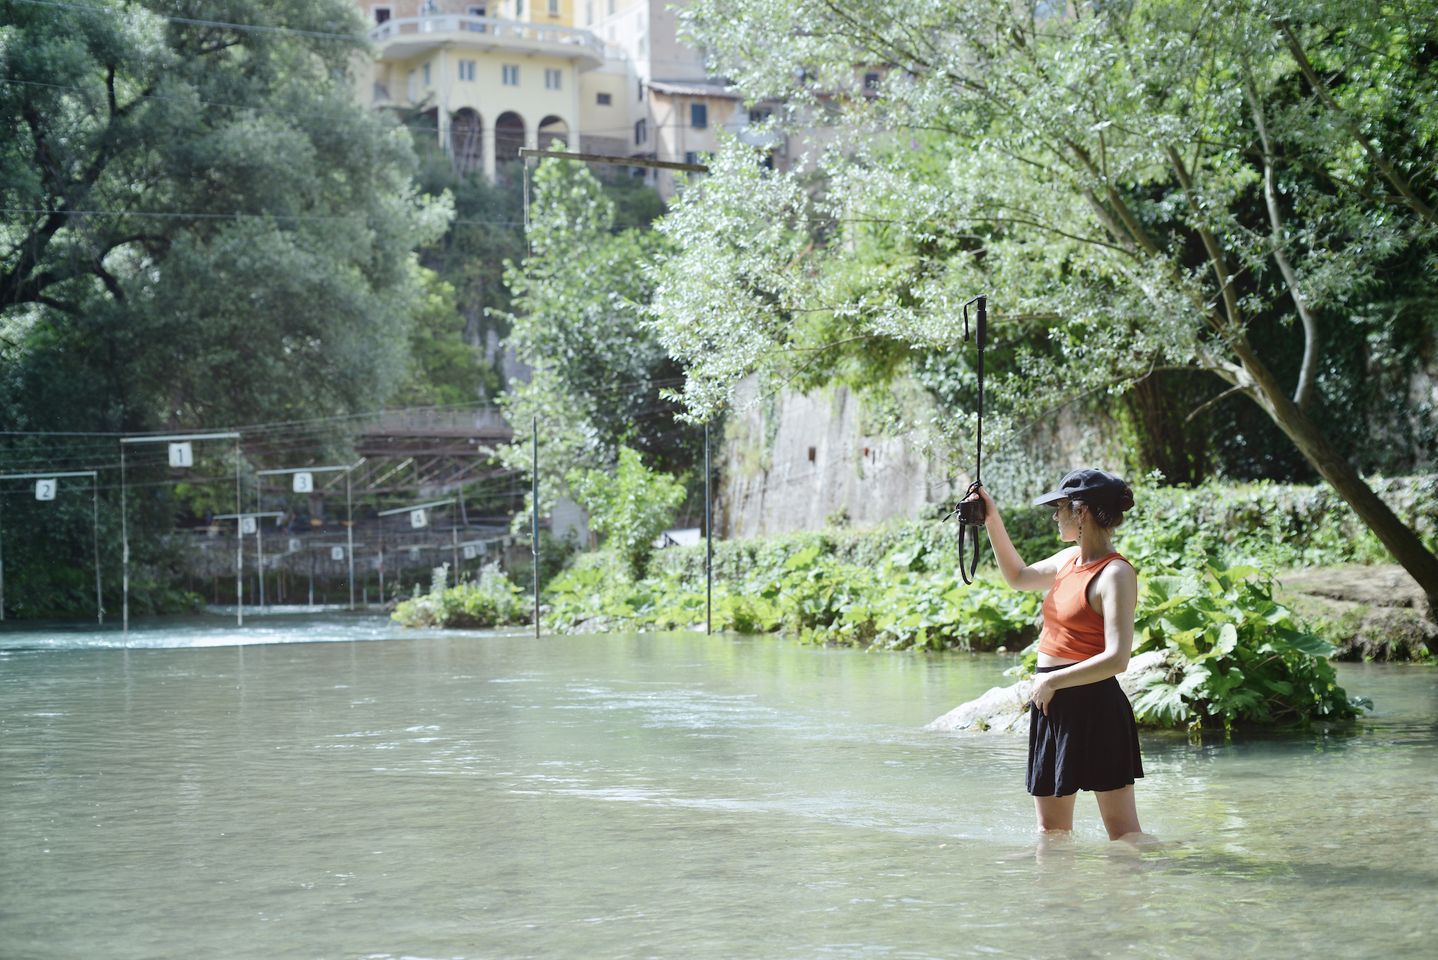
(967, 525)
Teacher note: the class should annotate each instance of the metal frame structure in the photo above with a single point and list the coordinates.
(94, 523)
(453, 534)
(239, 519)
(348, 470)
(125, 524)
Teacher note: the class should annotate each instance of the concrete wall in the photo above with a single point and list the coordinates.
(795, 462)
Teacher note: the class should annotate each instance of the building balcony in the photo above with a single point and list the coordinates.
(411, 37)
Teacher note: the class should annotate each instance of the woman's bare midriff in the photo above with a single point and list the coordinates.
(1048, 660)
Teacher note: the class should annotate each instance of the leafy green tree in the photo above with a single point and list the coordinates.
(629, 508)
(597, 369)
(1144, 187)
(444, 368)
(199, 225)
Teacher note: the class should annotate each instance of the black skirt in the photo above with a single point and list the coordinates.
(1088, 741)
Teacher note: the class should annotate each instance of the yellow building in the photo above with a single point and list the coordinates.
(602, 76)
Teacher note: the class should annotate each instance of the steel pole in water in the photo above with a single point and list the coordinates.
(534, 497)
(708, 541)
(124, 548)
(239, 546)
(95, 535)
(350, 532)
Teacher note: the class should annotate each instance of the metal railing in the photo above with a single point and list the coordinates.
(529, 33)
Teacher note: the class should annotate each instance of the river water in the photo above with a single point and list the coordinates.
(343, 788)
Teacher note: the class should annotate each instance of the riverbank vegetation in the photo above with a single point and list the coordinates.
(1207, 557)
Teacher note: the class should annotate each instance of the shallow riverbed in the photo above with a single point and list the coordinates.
(344, 788)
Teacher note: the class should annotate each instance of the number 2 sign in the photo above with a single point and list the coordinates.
(45, 489)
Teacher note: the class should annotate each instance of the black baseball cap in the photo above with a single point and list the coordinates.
(1087, 484)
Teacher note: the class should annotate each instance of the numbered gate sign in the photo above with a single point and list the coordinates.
(45, 489)
(337, 553)
(181, 455)
(304, 483)
(417, 519)
(294, 545)
(469, 552)
(248, 525)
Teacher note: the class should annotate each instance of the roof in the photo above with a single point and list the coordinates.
(696, 88)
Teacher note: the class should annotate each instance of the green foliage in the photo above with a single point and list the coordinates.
(444, 369)
(1236, 656)
(492, 601)
(1153, 187)
(199, 226)
(596, 368)
(629, 509)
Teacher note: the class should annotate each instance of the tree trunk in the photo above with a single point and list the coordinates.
(1401, 541)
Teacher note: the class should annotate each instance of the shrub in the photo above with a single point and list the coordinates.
(491, 602)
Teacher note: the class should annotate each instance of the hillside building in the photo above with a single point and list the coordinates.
(600, 76)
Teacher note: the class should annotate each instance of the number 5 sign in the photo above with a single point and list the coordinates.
(45, 489)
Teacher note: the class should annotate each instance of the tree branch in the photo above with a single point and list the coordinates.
(1390, 173)
(1308, 370)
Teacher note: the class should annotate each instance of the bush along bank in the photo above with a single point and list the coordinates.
(1206, 556)
(491, 601)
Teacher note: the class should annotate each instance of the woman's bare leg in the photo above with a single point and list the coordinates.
(1055, 813)
(1119, 812)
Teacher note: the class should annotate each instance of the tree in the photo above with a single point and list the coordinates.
(1150, 186)
(201, 225)
(597, 369)
(630, 508)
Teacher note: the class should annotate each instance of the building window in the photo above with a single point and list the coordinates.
(871, 83)
(518, 9)
(381, 15)
(425, 70)
(476, 11)
(603, 99)
(699, 116)
(554, 8)
(641, 89)
(690, 156)
(611, 8)
(510, 74)
(552, 78)
(641, 132)
(759, 114)
(466, 69)
(589, 14)
(411, 86)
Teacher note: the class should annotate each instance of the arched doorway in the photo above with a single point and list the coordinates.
(553, 128)
(508, 138)
(466, 139)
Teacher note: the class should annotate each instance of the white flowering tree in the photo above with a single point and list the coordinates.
(1139, 184)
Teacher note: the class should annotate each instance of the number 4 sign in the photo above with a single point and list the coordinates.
(45, 489)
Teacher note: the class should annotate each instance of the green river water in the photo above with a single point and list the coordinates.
(343, 788)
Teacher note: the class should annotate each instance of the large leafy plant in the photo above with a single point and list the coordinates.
(1236, 655)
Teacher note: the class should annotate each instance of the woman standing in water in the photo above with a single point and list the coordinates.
(1082, 734)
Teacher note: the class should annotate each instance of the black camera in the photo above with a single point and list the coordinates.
(970, 512)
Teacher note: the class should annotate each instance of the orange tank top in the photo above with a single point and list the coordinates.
(1072, 630)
